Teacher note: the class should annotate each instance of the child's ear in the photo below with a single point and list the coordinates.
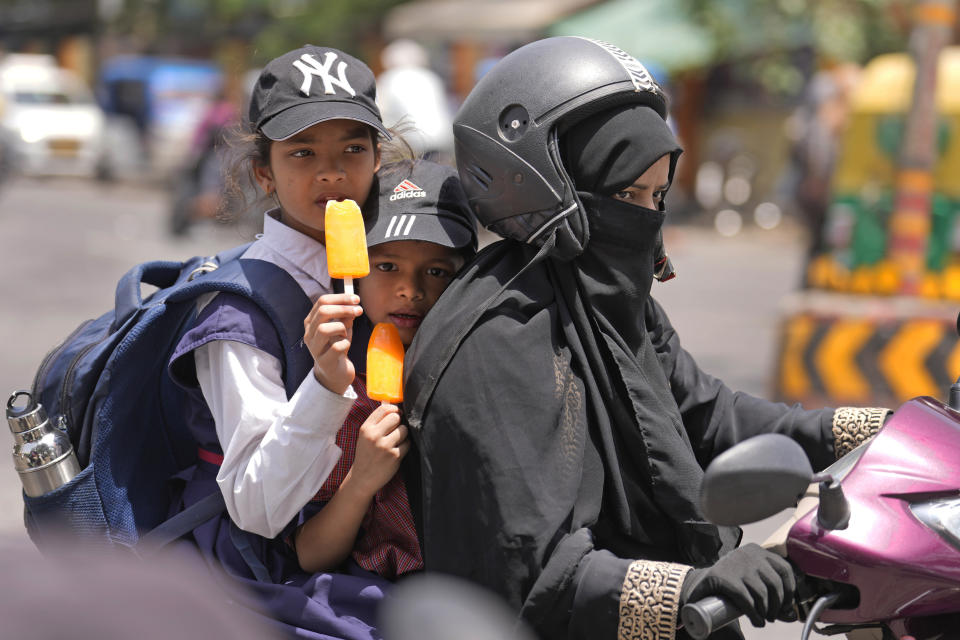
(264, 177)
(377, 165)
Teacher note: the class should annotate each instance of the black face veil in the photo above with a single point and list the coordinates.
(608, 151)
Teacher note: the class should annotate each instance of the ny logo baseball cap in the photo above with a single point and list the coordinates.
(313, 84)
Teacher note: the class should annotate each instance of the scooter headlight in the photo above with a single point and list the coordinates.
(942, 515)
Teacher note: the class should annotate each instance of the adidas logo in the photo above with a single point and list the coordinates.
(407, 189)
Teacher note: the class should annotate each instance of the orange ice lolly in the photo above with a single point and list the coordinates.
(385, 364)
(346, 242)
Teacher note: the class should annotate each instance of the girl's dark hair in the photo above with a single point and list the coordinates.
(246, 150)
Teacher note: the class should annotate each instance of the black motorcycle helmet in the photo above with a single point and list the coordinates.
(506, 134)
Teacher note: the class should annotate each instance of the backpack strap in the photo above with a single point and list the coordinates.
(242, 544)
(128, 298)
(285, 303)
(272, 289)
(180, 524)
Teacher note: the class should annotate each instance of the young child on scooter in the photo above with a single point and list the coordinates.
(265, 426)
(416, 245)
(315, 137)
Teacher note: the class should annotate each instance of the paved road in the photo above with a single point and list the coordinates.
(65, 244)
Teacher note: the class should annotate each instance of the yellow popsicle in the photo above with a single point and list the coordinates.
(385, 364)
(346, 240)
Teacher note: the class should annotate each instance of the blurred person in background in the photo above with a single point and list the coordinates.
(410, 94)
(815, 129)
(199, 193)
(155, 104)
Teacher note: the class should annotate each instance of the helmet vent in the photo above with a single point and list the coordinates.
(481, 177)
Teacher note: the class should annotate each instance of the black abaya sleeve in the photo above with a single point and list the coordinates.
(717, 418)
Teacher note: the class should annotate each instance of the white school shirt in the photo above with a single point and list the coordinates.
(276, 453)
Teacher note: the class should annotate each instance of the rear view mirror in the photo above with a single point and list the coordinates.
(754, 480)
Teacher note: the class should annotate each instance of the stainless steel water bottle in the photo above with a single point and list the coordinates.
(42, 454)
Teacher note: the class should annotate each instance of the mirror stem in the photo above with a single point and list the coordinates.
(954, 398)
(834, 510)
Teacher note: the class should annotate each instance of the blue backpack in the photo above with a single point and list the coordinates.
(108, 387)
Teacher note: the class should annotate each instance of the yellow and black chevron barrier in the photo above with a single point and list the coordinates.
(864, 350)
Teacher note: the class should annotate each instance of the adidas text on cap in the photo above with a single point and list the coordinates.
(310, 85)
(421, 200)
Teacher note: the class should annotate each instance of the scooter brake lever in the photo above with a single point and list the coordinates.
(823, 602)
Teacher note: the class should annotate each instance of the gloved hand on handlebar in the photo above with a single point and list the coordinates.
(758, 582)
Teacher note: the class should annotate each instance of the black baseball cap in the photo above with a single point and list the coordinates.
(310, 85)
(421, 200)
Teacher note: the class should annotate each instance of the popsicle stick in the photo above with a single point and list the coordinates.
(348, 286)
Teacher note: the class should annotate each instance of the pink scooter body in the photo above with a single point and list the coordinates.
(904, 570)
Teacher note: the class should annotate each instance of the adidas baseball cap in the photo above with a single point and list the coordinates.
(310, 85)
(421, 200)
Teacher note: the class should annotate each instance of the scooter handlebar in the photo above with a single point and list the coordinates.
(703, 617)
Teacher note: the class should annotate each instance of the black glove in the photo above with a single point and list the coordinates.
(758, 582)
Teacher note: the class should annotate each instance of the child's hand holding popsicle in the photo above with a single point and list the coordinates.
(328, 328)
(381, 445)
(383, 438)
(327, 332)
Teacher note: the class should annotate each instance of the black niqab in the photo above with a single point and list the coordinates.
(607, 152)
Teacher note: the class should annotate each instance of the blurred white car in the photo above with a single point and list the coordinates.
(50, 122)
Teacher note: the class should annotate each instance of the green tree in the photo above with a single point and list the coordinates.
(349, 25)
(763, 34)
(841, 30)
(267, 27)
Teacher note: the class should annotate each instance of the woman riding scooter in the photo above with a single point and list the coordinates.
(561, 427)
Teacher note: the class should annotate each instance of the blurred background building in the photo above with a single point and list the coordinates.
(735, 69)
